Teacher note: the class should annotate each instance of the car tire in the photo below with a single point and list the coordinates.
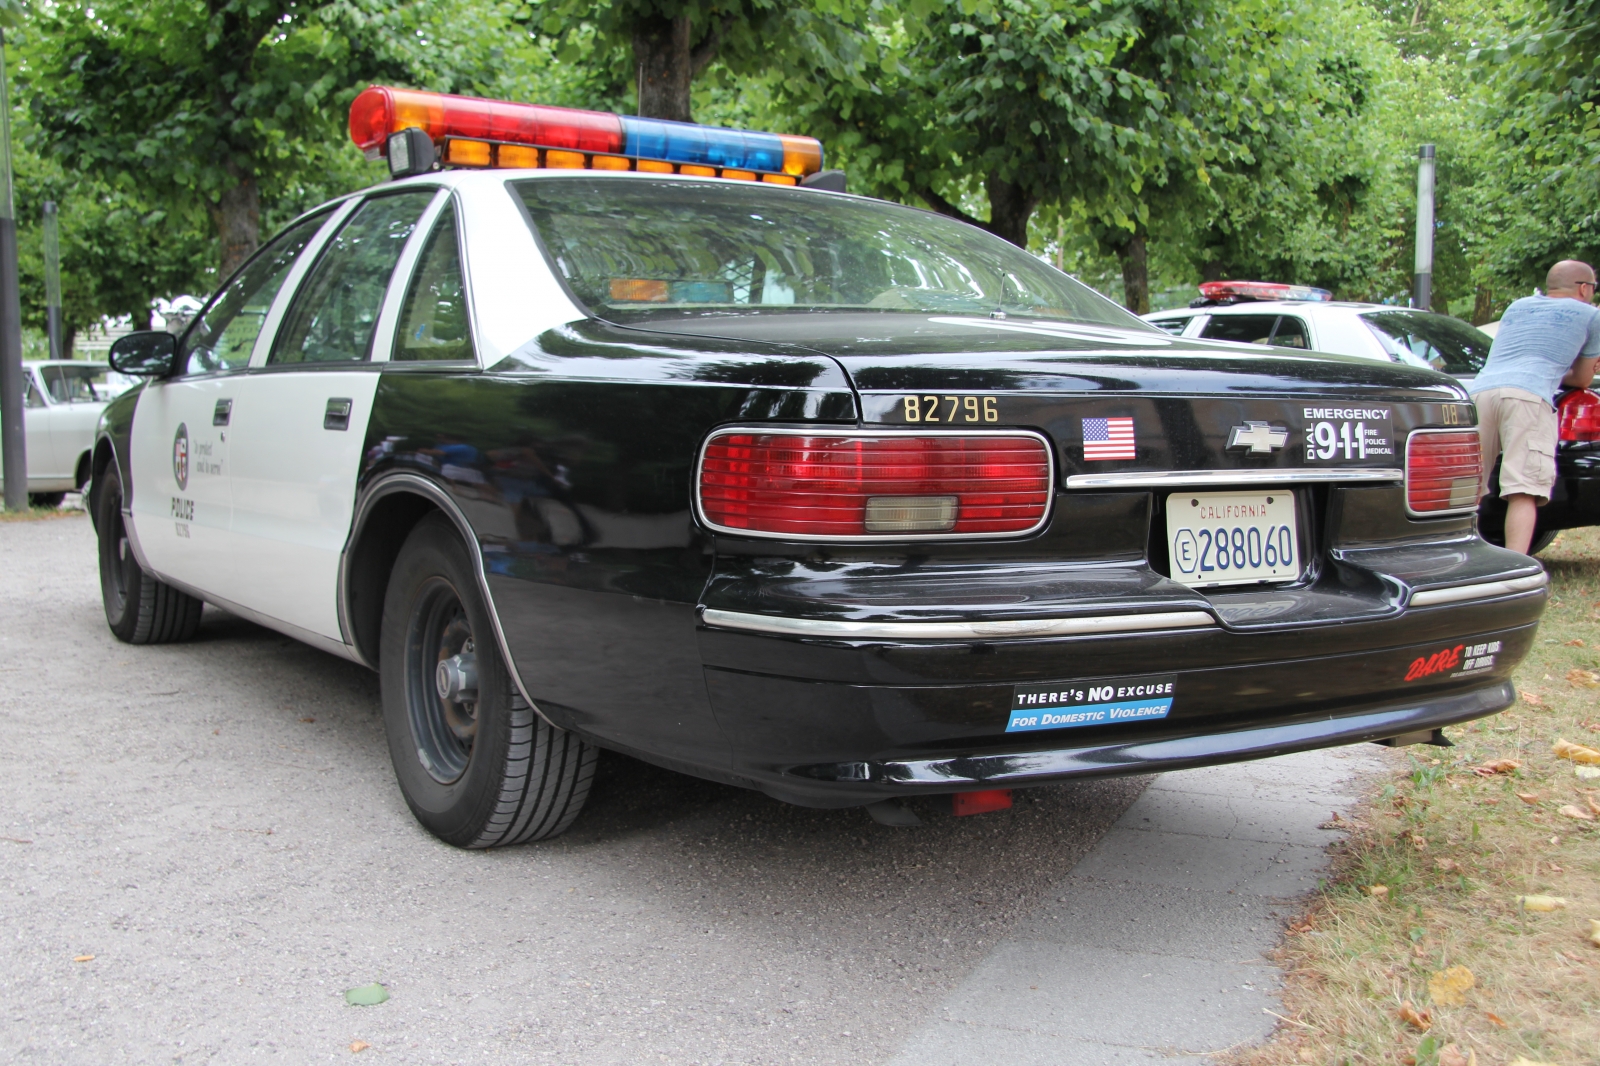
(46, 499)
(139, 608)
(1542, 541)
(477, 772)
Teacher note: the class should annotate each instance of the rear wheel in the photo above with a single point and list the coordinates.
(46, 499)
(477, 766)
(1542, 541)
(139, 608)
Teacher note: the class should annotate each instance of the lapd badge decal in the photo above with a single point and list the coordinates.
(180, 456)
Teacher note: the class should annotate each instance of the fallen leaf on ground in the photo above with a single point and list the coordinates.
(1448, 988)
(1495, 1018)
(1581, 678)
(1528, 797)
(1541, 903)
(1418, 1019)
(1497, 766)
(1419, 841)
(359, 1045)
(1450, 1055)
(1447, 866)
(1581, 813)
(308, 719)
(83, 958)
(1566, 749)
(367, 995)
(1593, 805)
(1575, 643)
(1594, 932)
(1376, 891)
(1532, 699)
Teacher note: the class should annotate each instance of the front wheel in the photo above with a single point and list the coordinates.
(139, 608)
(477, 766)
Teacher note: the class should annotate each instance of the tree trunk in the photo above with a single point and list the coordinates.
(1010, 207)
(141, 321)
(237, 216)
(664, 58)
(1212, 270)
(1135, 274)
(69, 334)
(1482, 306)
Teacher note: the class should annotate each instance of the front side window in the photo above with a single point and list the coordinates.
(77, 384)
(433, 319)
(1249, 329)
(636, 249)
(336, 310)
(226, 333)
(1436, 341)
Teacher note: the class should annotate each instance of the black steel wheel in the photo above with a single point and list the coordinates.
(478, 767)
(139, 608)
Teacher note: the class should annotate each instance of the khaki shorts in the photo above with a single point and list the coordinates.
(1524, 427)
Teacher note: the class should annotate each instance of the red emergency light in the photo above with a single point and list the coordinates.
(1230, 291)
(466, 131)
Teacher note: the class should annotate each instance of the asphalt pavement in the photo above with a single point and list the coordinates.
(202, 848)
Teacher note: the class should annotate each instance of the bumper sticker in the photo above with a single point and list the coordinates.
(1106, 701)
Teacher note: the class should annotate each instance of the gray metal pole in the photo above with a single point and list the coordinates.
(1422, 287)
(52, 278)
(13, 436)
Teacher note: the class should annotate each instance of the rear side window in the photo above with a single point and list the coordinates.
(336, 310)
(77, 384)
(1424, 339)
(1250, 329)
(1291, 333)
(1173, 326)
(433, 319)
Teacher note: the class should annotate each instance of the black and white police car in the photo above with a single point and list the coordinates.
(596, 432)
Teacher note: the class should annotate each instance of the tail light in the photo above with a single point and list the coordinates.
(847, 485)
(1443, 471)
(1578, 415)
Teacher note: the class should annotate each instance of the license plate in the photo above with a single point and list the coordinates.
(1232, 538)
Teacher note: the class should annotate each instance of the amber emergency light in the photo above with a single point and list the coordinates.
(465, 131)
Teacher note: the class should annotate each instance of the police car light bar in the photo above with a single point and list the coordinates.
(471, 132)
(1221, 291)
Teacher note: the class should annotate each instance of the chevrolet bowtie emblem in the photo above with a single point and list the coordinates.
(1259, 437)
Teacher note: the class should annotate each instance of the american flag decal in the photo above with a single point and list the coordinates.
(1108, 438)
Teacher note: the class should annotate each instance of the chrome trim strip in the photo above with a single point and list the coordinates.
(1000, 629)
(399, 482)
(1159, 478)
(288, 629)
(1470, 508)
(874, 538)
(1480, 591)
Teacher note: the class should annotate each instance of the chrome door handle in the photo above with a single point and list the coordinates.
(337, 414)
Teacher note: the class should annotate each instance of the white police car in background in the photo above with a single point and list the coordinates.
(1298, 316)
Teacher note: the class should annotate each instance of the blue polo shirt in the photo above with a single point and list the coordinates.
(1539, 338)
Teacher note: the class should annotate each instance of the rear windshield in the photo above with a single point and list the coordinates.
(638, 248)
(1422, 339)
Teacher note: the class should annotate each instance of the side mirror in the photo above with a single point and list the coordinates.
(148, 354)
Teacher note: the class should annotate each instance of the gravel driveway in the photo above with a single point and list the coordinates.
(216, 823)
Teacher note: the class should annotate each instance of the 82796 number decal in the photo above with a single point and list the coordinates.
(947, 409)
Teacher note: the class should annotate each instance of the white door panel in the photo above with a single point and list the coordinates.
(179, 483)
(294, 484)
(72, 427)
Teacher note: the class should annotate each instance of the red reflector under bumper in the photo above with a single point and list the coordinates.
(995, 799)
(857, 486)
(1443, 471)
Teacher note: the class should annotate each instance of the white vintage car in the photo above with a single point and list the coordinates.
(62, 407)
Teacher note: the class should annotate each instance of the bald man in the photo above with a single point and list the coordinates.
(1544, 342)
